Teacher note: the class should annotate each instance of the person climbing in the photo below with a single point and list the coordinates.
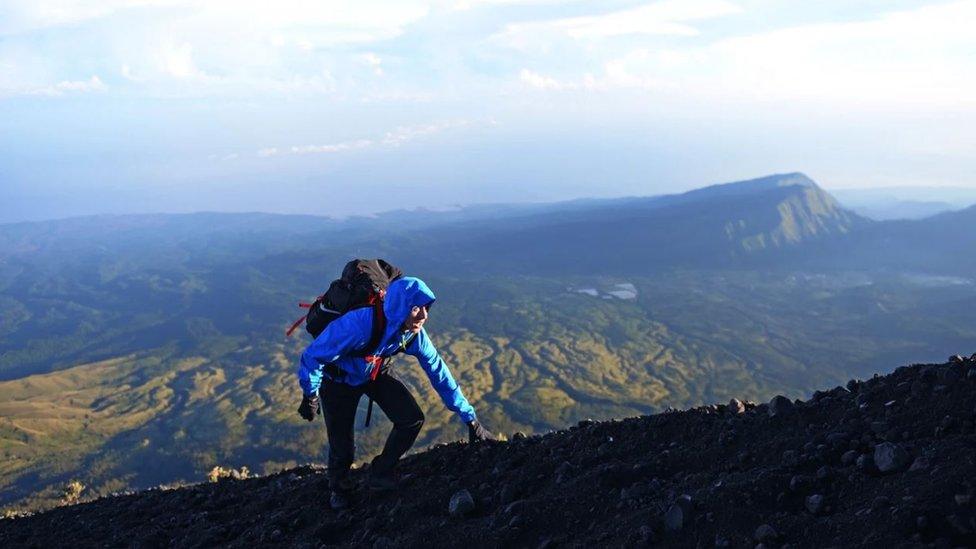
(334, 374)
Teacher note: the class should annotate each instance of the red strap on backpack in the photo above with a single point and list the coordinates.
(301, 320)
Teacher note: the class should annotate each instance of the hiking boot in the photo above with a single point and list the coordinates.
(382, 482)
(339, 500)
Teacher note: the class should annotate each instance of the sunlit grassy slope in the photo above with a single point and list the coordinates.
(531, 354)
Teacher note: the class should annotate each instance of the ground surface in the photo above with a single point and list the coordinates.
(888, 461)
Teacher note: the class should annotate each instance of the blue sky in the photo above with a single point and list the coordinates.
(121, 106)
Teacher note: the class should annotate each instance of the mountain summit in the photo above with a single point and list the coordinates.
(729, 225)
(882, 462)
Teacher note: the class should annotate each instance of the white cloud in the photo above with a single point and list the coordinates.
(92, 85)
(665, 18)
(919, 56)
(922, 58)
(374, 63)
(177, 61)
(539, 81)
(461, 5)
(393, 138)
(334, 148)
(403, 134)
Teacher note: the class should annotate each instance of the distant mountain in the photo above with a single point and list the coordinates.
(943, 243)
(887, 203)
(734, 224)
(903, 209)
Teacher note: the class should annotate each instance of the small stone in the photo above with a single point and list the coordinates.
(674, 519)
(959, 525)
(780, 406)
(848, 458)
(865, 462)
(516, 507)
(645, 534)
(765, 533)
(880, 503)
(890, 458)
(799, 483)
(461, 503)
(920, 464)
(963, 499)
(736, 406)
(814, 504)
(509, 493)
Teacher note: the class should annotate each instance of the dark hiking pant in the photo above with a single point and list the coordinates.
(339, 404)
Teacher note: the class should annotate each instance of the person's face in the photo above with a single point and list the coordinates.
(415, 320)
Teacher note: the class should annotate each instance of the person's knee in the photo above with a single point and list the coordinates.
(414, 423)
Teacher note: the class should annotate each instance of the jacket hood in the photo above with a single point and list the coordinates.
(401, 296)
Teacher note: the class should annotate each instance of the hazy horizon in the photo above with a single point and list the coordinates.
(134, 106)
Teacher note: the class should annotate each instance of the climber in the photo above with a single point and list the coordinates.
(334, 374)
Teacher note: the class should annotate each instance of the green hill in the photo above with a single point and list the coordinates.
(136, 351)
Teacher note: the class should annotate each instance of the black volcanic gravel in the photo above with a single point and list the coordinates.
(885, 462)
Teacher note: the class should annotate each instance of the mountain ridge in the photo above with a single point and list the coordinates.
(883, 461)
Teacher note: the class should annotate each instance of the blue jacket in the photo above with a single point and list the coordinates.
(350, 332)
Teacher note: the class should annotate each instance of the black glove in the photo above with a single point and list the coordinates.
(309, 407)
(476, 432)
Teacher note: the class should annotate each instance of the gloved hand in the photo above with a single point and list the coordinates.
(477, 431)
(309, 407)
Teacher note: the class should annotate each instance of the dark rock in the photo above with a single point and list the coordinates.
(461, 503)
(814, 504)
(674, 519)
(516, 507)
(645, 535)
(509, 493)
(765, 533)
(890, 458)
(865, 462)
(848, 458)
(736, 406)
(800, 483)
(780, 406)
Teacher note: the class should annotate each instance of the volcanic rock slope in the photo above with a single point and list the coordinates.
(884, 462)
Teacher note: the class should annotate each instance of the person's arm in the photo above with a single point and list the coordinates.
(440, 376)
(342, 336)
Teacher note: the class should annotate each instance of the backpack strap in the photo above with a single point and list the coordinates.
(375, 333)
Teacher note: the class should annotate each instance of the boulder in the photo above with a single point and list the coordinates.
(461, 504)
(890, 457)
(674, 519)
(780, 406)
(765, 533)
(736, 406)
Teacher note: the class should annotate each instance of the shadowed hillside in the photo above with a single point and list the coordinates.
(139, 350)
(882, 462)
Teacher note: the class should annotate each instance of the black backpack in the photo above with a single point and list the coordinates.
(363, 284)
